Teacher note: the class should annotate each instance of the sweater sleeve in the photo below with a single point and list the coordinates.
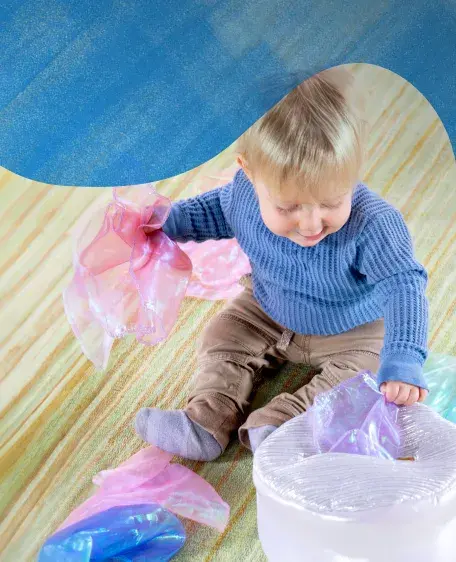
(387, 260)
(204, 217)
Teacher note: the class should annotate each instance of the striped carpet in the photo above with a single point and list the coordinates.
(61, 422)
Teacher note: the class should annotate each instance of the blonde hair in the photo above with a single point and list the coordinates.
(314, 137)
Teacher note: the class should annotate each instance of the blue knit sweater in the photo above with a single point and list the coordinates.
(363, 272)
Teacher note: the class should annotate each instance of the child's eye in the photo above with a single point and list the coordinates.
(283, 211)
(331, 205)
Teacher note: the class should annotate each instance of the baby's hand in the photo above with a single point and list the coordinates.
(403, 394)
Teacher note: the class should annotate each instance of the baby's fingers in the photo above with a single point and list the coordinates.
(390, 390)
(403, 395)
(414, 396)
(423, 395)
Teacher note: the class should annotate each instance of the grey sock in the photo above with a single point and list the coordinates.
(258, 434)
(174, 432)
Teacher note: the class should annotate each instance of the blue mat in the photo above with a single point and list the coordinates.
(105, 93)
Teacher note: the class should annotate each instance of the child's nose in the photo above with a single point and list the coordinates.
(310, 223)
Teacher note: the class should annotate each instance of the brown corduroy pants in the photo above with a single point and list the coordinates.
(242, 342)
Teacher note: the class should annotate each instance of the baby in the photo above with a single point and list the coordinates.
(334, 285)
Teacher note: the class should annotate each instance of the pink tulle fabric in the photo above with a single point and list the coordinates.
(129, 282)
(217, 268)
(149, 477)
(217, 265)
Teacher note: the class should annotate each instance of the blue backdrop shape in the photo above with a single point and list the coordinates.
(102, 93)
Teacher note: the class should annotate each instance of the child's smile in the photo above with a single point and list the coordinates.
(301, 218)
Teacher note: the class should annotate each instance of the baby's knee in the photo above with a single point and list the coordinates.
(230, 333)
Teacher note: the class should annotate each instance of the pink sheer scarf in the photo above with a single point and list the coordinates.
(129, 282)
(150, 477)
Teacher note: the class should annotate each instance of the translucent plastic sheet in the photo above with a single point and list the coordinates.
(124, 279)
(150, 477)
(217, 268)
(316, 502)
(355, 418)
(129, 534)
(131, 513)
(217, 265)
(440, 372)
(127, 282)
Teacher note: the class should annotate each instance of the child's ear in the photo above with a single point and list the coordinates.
(241, 161)
(243, 164)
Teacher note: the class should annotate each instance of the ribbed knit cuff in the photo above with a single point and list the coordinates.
(178, 225)
(403, 368)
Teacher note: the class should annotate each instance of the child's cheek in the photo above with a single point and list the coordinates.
(276, 223)
(337, 219)
(282, 225)
(345, 215)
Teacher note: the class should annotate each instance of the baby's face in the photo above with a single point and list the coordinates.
(301, 218)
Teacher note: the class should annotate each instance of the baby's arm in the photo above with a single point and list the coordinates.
(204, 217)
(387, 259)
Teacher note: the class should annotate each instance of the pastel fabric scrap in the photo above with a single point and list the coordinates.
(149, 477)
(127, 281)
(128, 533)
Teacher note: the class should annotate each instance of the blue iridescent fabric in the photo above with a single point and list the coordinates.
(135, 533)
